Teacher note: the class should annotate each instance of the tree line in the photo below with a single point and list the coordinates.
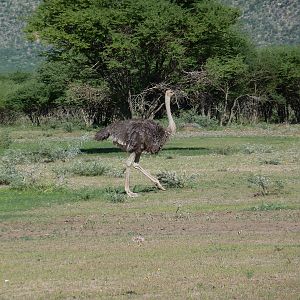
(112, 59)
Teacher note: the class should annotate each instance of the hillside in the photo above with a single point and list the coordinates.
(270, 22)
(15, 52)
(267, 21)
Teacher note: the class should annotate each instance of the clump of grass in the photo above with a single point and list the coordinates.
(48, 152)
(9, 175)
(115, 195)
(93, 168)
(227, 150)
(192, 117)
(68, 127)
(173, 180)
(5, 139)
(266, 185)
(117, 173)
(255, 148)
(45, 152)
(15, 157)
(87, 168)
(271, 162)
(268, 207)
(19, 179)
(249, 274)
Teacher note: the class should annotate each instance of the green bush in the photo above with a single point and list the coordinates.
(268, 206)
(93, 168)
(5, 139)
(173, 180)
(115, 195)
(256, 148)
(191, 117)
(266, 185)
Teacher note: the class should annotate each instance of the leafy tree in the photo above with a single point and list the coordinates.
(30, 98)
(91, 102)
(228, 77)
(134, 44)
(9, 84)
(275, 73)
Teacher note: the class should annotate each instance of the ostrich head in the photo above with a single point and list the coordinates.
(169, 93)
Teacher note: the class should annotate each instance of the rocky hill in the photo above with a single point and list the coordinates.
(267, 21)
(270, 22)
(15, 52)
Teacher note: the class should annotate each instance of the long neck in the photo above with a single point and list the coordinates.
(171, 127)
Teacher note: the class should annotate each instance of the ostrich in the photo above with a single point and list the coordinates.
(137, 136)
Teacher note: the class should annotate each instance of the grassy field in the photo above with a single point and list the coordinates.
(228, 226)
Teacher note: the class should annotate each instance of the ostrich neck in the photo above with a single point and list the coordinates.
(171, 127)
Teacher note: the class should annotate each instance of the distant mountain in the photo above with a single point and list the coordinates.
(270, 22)
(267, 21)
(15, 52)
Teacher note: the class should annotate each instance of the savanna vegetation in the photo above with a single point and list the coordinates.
(227, 227)
(108, 60)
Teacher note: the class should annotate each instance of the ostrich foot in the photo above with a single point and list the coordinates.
(160, 186)
(131, 194)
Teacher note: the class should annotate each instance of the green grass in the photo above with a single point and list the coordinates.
(69, 235)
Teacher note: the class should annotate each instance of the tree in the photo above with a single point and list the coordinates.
(275, 79)
(228, 77)
(9, 84)
(30, 98)
(92, 102)
(135, 44)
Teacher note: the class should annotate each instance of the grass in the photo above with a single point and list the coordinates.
(211, 235)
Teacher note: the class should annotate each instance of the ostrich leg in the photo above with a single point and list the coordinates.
(137, 166)
(129, 163)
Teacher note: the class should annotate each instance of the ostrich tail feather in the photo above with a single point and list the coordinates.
(103, 134)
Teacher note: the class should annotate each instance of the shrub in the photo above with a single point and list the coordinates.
(48, 152)
(266, 185)
(68, 127)
(93, 168)
(172, 180)
(254, 148)
(271, 161)
(5, 139)
(268, 206)
(9, 175)
(88, 168)
(115, 195)
(19, 179)
(191, 116)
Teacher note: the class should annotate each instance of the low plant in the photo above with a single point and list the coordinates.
(93, 168)
(226, 150)
(87, 168)
(48, 152)
(172, 180)
(9, 175)
(19, 179)
(256, 148)
(249, 274)
(268, 207)
(5, 139)
(115, 195)
(192, 117)
(68, 127)
(273, 161)
(266, 185)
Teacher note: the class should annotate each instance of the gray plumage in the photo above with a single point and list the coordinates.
(136, 135)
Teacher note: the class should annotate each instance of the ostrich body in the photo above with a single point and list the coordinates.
(137, 136)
